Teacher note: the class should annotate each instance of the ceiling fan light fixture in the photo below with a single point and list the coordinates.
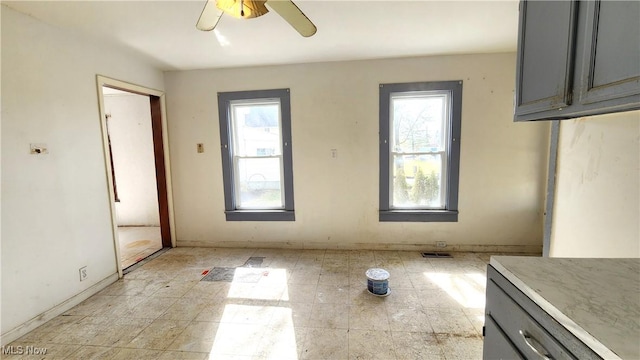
(243, 9)
(246, 9)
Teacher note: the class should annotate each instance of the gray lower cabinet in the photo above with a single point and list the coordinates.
(517, 328)
(577, 58)
(500, 346)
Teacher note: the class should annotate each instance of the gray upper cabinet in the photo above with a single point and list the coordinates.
(611, 55)
(545, 55)
(577, 58)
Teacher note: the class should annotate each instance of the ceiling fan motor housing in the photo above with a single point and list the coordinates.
(246, 9)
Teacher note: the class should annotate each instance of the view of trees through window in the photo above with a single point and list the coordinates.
(418, 131)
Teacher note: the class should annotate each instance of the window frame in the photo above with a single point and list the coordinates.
(450, 213)
(232, 212)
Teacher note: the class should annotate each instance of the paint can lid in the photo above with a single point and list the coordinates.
(377, 274)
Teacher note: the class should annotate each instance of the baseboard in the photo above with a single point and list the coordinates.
(59, 309)
(509, 249)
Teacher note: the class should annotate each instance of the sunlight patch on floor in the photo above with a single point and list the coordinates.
(467, 288)
(251, 330)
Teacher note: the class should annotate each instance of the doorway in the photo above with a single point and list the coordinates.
(135, 152)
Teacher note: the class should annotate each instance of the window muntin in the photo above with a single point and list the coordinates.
(419, 124)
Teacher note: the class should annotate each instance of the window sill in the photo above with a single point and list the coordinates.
(418, 215)
(260, 215)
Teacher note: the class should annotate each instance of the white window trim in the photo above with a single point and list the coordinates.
(236, 158)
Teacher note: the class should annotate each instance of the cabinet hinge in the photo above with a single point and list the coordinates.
(483, 331)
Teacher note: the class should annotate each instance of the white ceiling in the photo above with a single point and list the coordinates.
(165, 32)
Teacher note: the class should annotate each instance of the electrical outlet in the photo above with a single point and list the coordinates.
(83, 273)
(441, 244)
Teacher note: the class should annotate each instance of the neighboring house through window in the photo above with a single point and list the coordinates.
(255, 134)
(420, 151)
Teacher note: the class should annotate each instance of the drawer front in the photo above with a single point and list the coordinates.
(496, 344)
(525, 333)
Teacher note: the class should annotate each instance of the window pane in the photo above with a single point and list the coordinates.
(418, 122)
(259, 183)
(417, 182)
(256, 128)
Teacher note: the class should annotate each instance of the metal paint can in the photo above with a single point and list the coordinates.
(378, 281)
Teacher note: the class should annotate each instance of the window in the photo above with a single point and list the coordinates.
(255, 134)
(420, 151)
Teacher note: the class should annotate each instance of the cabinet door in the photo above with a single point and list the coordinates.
(546, 39)
(611, 59)
(496, 344)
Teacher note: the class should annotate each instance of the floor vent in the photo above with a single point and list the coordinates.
(432, 255)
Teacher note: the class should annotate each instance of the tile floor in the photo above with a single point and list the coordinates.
(138, 242)
(301, 304)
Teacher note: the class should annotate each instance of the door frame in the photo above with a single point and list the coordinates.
(158, 115)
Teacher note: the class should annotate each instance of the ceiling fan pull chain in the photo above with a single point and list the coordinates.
(242, 8)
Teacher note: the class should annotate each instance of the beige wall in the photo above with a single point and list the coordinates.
(597, 205)
(335, 106)
(55, 207)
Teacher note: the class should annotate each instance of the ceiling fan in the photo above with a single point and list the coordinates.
(248, 9)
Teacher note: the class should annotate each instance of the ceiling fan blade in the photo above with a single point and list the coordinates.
(209, 17)
(292, 14)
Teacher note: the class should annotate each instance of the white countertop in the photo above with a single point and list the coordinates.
(597, 300)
